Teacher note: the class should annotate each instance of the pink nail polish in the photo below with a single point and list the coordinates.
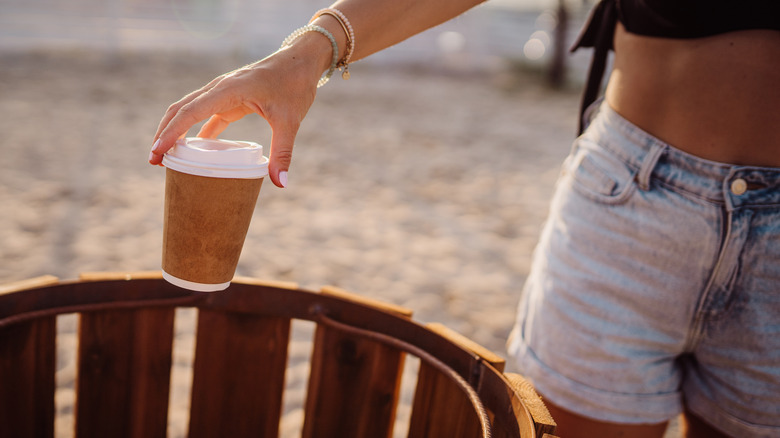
(283, 178)
(156, 145)
(151, 156)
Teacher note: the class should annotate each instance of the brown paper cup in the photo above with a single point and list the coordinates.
(206, 218)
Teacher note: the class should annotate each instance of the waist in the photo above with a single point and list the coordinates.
(733, 185)
(715, 97)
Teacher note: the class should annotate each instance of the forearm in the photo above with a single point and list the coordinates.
(379, 24)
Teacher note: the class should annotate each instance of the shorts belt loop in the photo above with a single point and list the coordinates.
(648, 164)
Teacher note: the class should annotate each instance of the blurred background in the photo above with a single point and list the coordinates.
(423, 181)
(485, 103)
(524, 30)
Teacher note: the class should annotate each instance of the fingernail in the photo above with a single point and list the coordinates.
(283, 178)
(151, 156)
(156, 144)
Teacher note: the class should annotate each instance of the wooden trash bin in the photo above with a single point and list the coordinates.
(126, 335)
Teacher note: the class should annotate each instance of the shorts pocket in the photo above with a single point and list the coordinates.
(601, 176)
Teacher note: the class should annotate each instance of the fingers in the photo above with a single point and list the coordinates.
(178, 125)
(280, 156)
(173, 109)
(180, 118)
(213, 127)
(279, 88)
(181, 124)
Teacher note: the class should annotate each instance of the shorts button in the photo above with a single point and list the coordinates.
(738, 186)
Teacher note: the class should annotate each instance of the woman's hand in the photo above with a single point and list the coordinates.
(280, 88)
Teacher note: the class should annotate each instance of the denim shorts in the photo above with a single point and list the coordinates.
(656, 285)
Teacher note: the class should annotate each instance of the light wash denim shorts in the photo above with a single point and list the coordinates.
(656, 285)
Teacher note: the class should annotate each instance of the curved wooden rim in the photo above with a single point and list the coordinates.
(272, 299)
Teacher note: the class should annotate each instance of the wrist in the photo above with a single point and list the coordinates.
(333, 26)
(317, 45)
(314, 48)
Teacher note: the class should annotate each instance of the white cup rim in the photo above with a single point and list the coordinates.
(191, 285)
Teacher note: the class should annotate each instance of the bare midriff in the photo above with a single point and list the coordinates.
(715, 97)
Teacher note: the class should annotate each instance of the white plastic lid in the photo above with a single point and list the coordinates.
(217, 158)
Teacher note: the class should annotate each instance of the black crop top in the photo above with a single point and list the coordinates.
(666, 19)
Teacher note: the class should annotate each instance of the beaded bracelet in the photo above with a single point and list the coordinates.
(314, 28)
(350, 33)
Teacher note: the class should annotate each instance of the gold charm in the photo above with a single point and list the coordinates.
(345, 74)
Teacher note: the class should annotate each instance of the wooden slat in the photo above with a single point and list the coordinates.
(240, 360)
(440, 407)
(543, 421)
(486, 355)
(124, 373)
(511, 419)
(27, 367)
(366, 301)
(354, 382)
(120, 275)
(251, 281)
(30, 283)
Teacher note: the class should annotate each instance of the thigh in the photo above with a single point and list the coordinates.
(607, 305)
(695, 427)
(572, 425)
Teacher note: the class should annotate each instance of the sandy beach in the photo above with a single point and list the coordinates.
(426, 188)
(405, 183)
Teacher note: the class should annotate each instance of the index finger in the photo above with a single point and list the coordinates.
(183, 118)
(174, 108)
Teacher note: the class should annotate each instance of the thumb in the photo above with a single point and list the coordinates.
(280, 156)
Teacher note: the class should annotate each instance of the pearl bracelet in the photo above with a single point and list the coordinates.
(314, 28)
(350, 33)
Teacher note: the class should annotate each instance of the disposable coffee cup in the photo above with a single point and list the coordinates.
(211, 188)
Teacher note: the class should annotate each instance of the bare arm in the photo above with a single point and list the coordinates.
(282, 86)
(380, 24)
